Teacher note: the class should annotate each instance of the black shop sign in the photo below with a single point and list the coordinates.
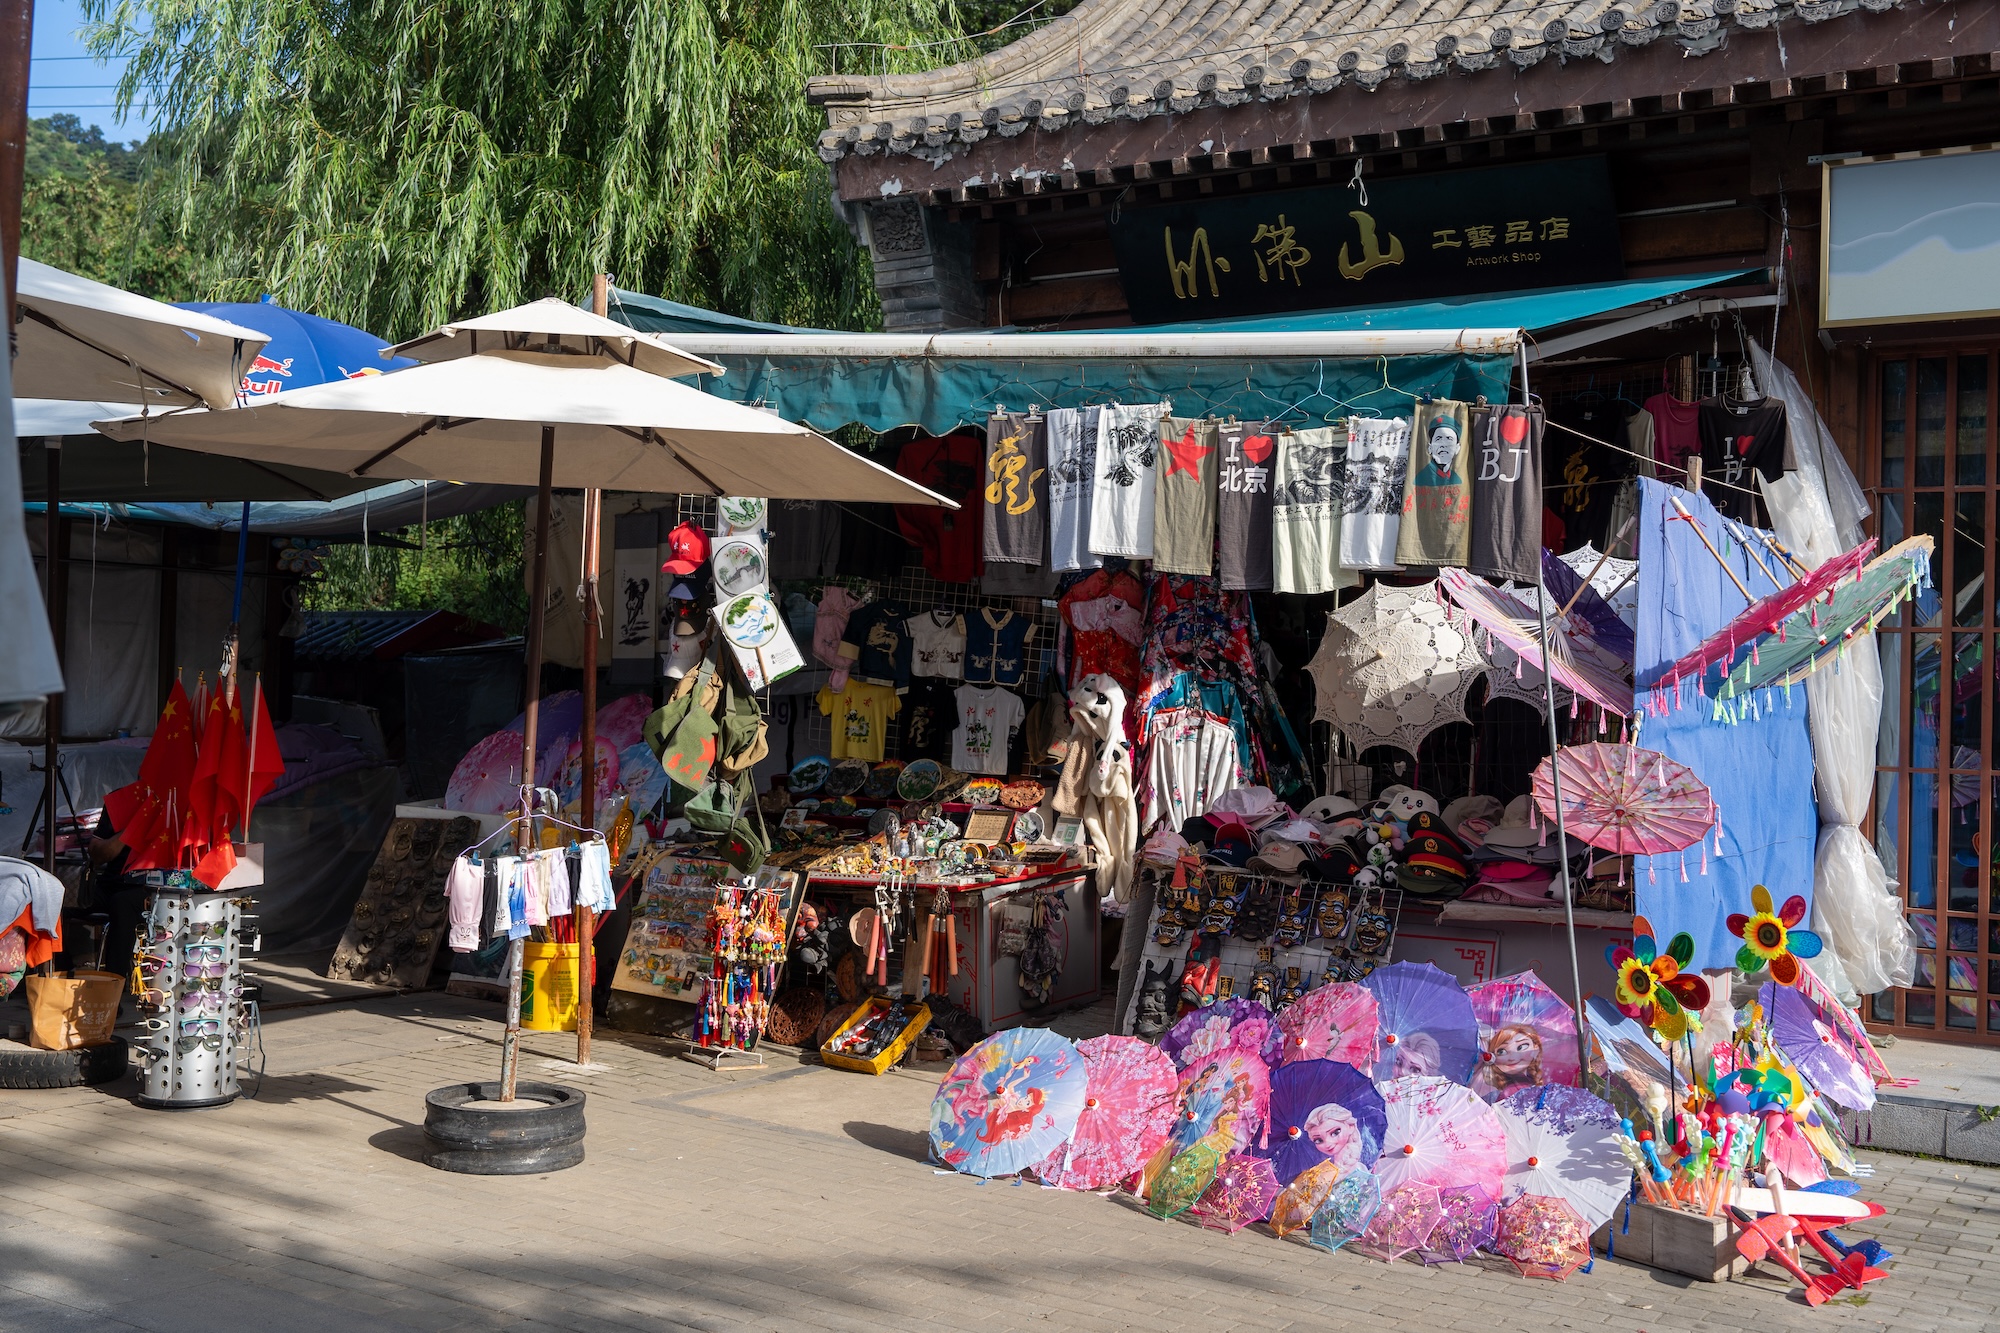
(1416, 238)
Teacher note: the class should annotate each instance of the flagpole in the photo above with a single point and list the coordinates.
(250, 769)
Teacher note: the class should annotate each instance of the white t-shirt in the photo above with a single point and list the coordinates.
(1128, 461)
(985, 719)
(1378, 469)
(937, 646)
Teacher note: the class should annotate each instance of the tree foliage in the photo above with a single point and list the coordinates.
(84, 208)
(468, 563)
(397, 163)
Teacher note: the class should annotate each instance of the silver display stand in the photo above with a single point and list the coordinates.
(184, 1069)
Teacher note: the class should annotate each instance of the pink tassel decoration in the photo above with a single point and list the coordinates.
(1684, 868)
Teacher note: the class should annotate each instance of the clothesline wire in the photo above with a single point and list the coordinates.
(1706, 481)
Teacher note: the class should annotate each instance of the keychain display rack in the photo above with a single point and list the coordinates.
(747, 937)
(189, 960)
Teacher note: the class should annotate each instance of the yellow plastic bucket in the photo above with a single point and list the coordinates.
(549, 986)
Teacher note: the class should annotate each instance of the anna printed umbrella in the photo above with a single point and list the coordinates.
(1426, 1020)
(1564, 1143)
(1625, 800)
(1007, 1102)
(1346, 1212)
(1467, 1216)
(1131, 1094)
(1202, 1032)
(1543, 1237)
(1439, 1133)
(1241, 1193)
(1527, 1035)
(1336, 1022)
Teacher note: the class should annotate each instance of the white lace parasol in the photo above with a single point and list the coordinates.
(1392, 669)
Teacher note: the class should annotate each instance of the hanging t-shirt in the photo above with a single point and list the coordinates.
(1506, 537)
(1582, 470)
(1072, 478)
(1184, 504)
(860, 717)
(877, 644)
(1016, 488)
(937, 644)
(1378, 468)
(1243, 504)
(1306, 498)
(1676, 431)
(1640, 438)
(996, 647)
(1437, 491)
(1737, 439)
(986, 717)
(836, 604)
(805, 539)
(1121, 503)
(947, 540)
(930, 716)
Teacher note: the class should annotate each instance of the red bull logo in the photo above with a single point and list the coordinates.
(264, 365)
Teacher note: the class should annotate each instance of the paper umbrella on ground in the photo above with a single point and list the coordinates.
(1008, 1102)
(1131, 1092)
(1241, 1193)
(1202, 1032)
(1543, 1236)
(1410, 1211)
(1564, 1143)
(1527, 1035)
(1439, 1133)
(1343, 1216)
(1467, 1216)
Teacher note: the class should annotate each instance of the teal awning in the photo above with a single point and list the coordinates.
(883, 382)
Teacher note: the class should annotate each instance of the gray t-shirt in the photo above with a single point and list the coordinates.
(1072, 478)
(1244, 488)
(1507, 493)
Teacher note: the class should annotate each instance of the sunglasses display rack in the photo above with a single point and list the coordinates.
(189, 961)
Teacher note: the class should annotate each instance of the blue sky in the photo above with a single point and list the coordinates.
(63, 77)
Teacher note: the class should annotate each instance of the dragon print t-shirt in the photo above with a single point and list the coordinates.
(1072, 480)
(1378, 466)
(986, 716)
(1016, 488)
(1128, 463)
(1306, 498)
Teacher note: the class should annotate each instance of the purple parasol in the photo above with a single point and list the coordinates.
(1820, 1053)
(1527, 1035)
(1241, 1193)
(1323, 1111)
(1467, 1215)
(1235, 1021)
(1427, 1024)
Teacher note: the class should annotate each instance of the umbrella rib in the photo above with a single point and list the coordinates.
(29, 312)
(650, 436)
(428, 426)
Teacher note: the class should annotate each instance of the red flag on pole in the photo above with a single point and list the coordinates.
(150, 814)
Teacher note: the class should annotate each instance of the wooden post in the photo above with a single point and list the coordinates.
(17, 38)
(55, 598)
(510, 1047)
(586, 918)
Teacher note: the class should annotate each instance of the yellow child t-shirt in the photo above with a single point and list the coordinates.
(860, 714)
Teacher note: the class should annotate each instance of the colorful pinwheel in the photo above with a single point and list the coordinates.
(1773, 939)
(1651, 986)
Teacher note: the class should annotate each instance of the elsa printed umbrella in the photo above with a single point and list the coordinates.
(1439, 1133)
(1527, 1035)
(1564, 1143)
(1426, 1022)
(1327, 1123)
(1007, 1102)
(1202, 1032)
(1336, 1022)
(1131, 1094)
(1346, 1212)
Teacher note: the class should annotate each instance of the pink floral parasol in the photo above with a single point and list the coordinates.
(1543, 1237)
(1241, 1193)
(1626, 800)
(488, 780)
(623, 721)
(1335, 1022)
(1131, 1092)
(1527, 1035)
(1440, 1134)
(1202, 1032)
(1467, 1216)
(1410, 1211)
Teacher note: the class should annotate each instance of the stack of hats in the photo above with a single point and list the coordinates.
(1516, 858)
(1433, 862)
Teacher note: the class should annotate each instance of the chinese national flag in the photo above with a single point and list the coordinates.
(151, 814)
(231, 779)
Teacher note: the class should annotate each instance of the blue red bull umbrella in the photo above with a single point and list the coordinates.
(304, 349)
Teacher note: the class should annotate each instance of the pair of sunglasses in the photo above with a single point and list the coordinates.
(212, 1041)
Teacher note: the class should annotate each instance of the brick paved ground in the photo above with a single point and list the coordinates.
(794, 1197)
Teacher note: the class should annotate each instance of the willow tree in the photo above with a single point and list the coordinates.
(396, 163)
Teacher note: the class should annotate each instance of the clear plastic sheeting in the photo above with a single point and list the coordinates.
(1817, 512)
(318, 844)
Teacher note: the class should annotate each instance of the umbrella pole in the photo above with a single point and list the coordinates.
(586, 918)
(1556, 791)
(510, 1045)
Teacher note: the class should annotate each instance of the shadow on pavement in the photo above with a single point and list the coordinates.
(911, 1143)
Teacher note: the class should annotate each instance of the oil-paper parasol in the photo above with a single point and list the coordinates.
(1828, 1008)
(640, 774)
(1202, 1032)
(1817, 1050)
(1563, 1142)
(623, 720)
(1426, 1023)
(1634, 1066)
(1439, 1133)
(1527, 1035)
(1624, 799)
(1335, 1022)
(1346, 1212)
(1224, 1096)
(1241, 1193)
(569, 780)
(1323, 1111)
(1543, 1237)
(1186, 1179)
(1131, 1094)
(488, 780)
(1007, 1102)
(1410, 1211)
(1467, 1216)
(1392, 668)
(1584, 664)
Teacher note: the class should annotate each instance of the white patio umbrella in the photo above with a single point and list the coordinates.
(82, 339)
(490, 403)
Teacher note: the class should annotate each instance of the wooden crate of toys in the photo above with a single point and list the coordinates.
(875, 1035)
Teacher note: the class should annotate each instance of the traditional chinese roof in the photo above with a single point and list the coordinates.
(1131, 59)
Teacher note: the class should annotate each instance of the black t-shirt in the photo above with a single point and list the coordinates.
(880, 644)
(1737, 438)
(1580, 475)
(929, 716)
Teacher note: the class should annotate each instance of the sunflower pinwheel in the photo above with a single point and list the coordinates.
(1651, 986)
(1772, 938)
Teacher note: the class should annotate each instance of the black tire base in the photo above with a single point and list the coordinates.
(487, 1142)
(26, 1067)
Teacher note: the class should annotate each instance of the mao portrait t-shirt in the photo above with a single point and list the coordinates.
(1437, 496)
